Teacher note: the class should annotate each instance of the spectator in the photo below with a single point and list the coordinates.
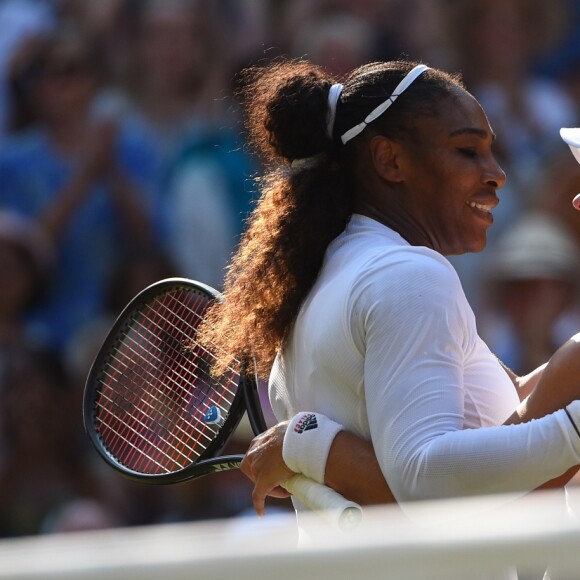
(84, 179)
(419, 28)
(170, 90)
(42, 467)
(292, 17)
(26, 261)
(20, 20)
(339, 42)
(206, 202)
(174, 100)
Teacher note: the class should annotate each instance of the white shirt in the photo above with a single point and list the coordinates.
(386, 344)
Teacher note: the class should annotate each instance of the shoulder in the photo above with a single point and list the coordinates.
(410, 286)
(413, 269)
(377, 264)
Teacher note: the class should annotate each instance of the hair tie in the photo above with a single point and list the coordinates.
(333, 96)
(378, 111)
(306, 162)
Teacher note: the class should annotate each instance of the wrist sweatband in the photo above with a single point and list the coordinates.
(307, 443)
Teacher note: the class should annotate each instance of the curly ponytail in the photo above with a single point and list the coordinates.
(299, 212)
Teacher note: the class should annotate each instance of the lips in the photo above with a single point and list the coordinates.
(483, 209)
(481, 206)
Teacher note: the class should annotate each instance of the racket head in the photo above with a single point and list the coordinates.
(150, 407)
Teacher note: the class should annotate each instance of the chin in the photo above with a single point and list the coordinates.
(473, 247)
(482, 244)
(477, 248)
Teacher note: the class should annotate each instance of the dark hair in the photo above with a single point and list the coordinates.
(302, 209)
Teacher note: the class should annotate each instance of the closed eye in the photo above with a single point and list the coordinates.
(468, 152)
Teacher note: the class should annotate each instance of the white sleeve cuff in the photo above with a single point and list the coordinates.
(573, 412)
(307, 443)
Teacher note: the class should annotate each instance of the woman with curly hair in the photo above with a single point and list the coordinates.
(341, 287)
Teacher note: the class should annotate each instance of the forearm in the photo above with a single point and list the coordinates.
(513, 459)
(321, 449)
(352, 469)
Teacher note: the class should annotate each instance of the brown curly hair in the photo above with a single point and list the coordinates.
(302, 209)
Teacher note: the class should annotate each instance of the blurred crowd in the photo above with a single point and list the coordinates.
(122, 161)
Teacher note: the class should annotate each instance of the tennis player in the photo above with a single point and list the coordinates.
(341, 285)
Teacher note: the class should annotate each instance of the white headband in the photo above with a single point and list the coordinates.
(376, 113)
(333, 96)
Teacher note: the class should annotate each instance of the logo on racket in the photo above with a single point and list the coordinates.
(213, 416)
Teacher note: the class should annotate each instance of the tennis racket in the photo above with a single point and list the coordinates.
(155, 413)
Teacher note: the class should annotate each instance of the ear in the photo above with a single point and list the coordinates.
(385, 155)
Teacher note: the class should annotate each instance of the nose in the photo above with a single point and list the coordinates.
(494, 175)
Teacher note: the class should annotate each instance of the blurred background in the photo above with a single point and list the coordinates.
(122, 161)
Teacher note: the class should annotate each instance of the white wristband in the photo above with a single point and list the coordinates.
(307, 443)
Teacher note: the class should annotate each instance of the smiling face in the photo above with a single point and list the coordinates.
(447, 179)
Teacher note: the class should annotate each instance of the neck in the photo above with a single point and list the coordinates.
(398, 220)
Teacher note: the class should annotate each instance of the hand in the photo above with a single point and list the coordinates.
(265, 466)
(99, 158)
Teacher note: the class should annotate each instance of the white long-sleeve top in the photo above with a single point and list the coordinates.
(386, 344)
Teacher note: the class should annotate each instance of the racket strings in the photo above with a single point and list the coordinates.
(131, 440)
(158, 413)
(202, 357)
(151, 415)
(148, 418)
(186, 373)
(161, 397)
(162, 429)
(123, 401)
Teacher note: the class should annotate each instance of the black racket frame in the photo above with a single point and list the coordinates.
(246, 398)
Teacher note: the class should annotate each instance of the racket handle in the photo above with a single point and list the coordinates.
(326, 502)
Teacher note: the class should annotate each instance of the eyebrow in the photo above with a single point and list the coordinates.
(472, 131)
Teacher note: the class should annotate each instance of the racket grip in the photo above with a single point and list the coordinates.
(326, 502)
